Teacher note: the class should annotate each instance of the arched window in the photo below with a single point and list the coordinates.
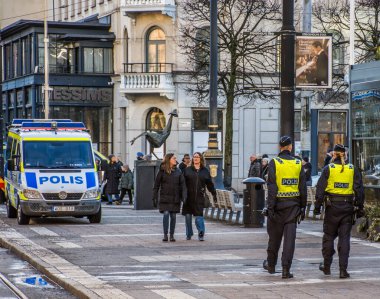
(202, 49)
(156, 50)
(155, 121)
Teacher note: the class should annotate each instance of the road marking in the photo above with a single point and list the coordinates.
(282, 283)
(173, 294)
(186, 257)
(353, 240)
(43, 231)
(142, 235)
(66, 244)
(148, 275)
(364, 257)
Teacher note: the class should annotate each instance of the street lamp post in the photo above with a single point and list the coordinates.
(46, 63)
(213, 155)
(288, 35)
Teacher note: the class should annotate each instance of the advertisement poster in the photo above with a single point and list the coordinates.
(313, 62)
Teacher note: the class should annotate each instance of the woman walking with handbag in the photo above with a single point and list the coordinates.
(170, 184)
(197, 178)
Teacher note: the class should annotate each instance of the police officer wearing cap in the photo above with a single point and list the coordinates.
(340, 187)
(287, 196)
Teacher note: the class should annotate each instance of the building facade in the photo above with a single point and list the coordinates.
(80, 67)
(149, 80)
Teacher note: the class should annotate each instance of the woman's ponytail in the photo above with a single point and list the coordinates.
(341, 156)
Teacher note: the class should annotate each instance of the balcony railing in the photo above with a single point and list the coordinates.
(148, 78)
(131, 7)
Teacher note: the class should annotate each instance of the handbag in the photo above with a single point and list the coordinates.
(207, 203)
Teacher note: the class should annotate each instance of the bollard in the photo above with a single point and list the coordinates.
(253, 203)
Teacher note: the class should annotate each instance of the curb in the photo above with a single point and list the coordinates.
(68, 284)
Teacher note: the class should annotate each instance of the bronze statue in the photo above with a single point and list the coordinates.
(156, 139)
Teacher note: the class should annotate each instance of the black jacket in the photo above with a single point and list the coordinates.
(182, 166)
(196, 182)
(112, 174)
(255, 169)
(169, 190)
(322, 184)
(307, 168)
(273, 204)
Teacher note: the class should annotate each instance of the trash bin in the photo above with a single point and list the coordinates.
(253, 202)
(145, 173)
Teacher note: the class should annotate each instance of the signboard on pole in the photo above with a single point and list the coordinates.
(313, 62)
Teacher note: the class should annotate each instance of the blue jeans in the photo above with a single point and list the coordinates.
(173, 216)
(189, 225)
(109, 196)
(199, 223)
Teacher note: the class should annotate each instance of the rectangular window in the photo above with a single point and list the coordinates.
(86, 5)
(15, 59)
(66, 9)
(8, 61)
(297, 126)
(98, 60)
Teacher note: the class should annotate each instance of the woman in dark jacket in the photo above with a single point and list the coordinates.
(126, 184)
(112, 174)
(171, 186)
(197, 177)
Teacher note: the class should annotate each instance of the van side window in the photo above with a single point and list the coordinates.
(9, 148)
(16, 152)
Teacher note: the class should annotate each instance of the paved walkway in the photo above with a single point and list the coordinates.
(124, 257)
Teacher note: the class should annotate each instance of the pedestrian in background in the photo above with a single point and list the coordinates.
(112, 174)
(119, 161)
(307, 168)
(140, 156)
(328, 157)
(126, 184)
(340, 186)
(255, 167)
(169, 189)
(287, 197)
(186, 162)
(264, 166)
(197, 178)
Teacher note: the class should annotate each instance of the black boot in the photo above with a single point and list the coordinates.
(270, 269)
(172, 238)
(165, 239)
(325, 268)
(344, 274)
(286, 273)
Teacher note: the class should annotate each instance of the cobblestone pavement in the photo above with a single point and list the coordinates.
(124, 257)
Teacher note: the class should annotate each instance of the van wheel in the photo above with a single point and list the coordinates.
(11, 211)
(22, 219)
(96, 218)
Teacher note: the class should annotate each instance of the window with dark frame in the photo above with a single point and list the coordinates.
(98, 60)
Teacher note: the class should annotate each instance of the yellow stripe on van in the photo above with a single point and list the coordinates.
(54, 139)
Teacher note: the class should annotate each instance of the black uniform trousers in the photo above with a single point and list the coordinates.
(337, 223)
(283, 224)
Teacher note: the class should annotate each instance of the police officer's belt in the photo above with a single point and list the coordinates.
(283, 199)
(340, 198)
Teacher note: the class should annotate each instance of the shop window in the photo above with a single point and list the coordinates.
(200, 129)
(98, 60)
(156, 50)
(332, 129)
(297, 126)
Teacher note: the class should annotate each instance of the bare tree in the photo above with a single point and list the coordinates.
(334, 17)
(247, 55)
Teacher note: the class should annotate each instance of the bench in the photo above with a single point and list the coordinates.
(225, 204)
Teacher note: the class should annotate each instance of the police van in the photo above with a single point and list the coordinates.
(50, 170)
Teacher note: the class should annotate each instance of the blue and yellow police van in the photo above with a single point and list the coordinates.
(50, 170)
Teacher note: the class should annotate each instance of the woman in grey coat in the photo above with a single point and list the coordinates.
(126, 184)
(169, 189)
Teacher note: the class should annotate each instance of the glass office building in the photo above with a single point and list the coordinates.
(365, 122)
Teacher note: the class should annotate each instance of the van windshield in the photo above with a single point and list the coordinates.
(57, 154)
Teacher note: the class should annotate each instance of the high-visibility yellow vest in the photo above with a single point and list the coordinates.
(340, 183)
(287, 177)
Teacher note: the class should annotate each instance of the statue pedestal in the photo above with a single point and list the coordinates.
(145, 173)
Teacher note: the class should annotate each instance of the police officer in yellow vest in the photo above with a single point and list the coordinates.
(287, 195)
(340, 187)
